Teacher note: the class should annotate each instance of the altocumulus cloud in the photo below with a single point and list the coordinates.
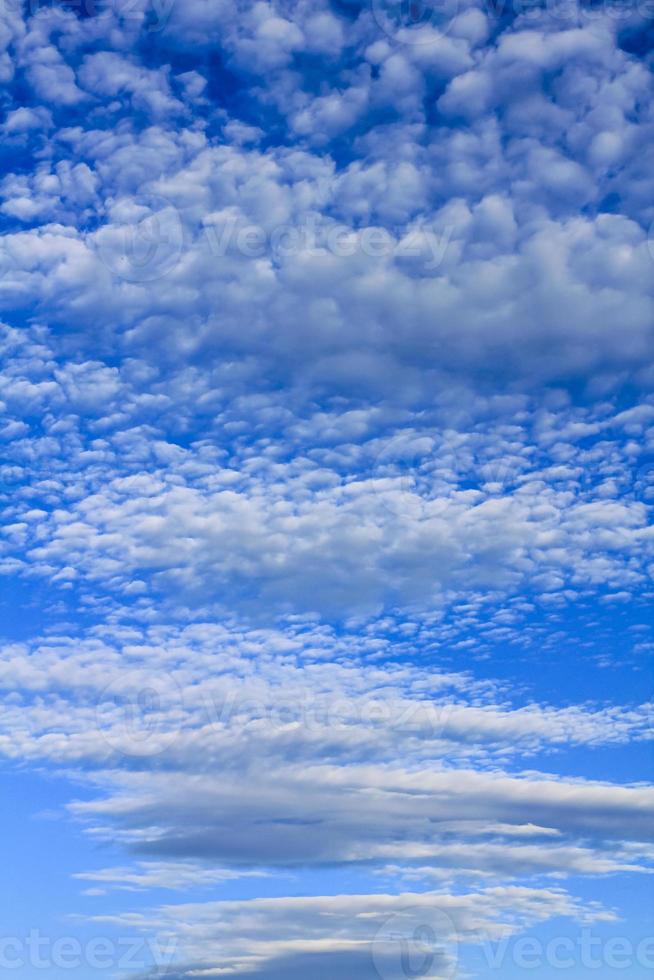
(327, 470)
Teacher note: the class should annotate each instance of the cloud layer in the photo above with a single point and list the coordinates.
(328, 465)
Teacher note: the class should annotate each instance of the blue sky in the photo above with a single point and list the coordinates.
(326, 480)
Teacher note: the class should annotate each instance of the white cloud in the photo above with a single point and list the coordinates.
(369, 407)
